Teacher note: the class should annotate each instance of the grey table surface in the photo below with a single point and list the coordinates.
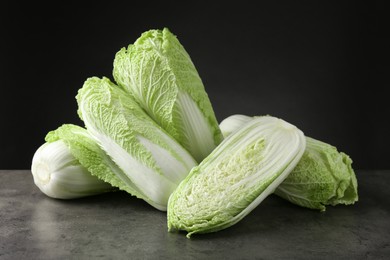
(119, 226)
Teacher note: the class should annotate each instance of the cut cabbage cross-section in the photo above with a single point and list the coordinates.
(240, 173)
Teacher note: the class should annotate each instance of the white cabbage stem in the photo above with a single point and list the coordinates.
(58, 174)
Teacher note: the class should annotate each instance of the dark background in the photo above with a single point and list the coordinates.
(317, 64)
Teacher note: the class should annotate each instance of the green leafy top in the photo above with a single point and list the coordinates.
(158, 72)
(322, 177)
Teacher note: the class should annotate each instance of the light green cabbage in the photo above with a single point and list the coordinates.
(158, 72)
(240, 173)
(323, 176)
(64, 166)
(149, 158)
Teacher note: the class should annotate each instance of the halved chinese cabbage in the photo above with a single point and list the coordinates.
(240, 173)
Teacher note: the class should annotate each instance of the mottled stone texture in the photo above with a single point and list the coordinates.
(118, 226)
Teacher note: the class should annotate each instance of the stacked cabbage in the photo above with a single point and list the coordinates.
(153, 133)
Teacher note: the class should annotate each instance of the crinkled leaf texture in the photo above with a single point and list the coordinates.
(159, 74)
(323, 176)
(150, 159)
(240, 173)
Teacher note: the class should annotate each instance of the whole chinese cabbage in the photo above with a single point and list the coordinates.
(151, 160)
(158, 73)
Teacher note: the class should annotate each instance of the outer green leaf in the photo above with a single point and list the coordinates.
(158, 72)
(241, 172)
(147, 155)
(322, 177)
